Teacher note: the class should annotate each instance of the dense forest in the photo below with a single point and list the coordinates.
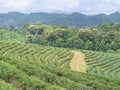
(104, 37)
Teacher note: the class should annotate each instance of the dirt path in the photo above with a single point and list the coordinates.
(78, 63)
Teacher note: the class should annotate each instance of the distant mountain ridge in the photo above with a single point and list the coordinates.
(75, 19)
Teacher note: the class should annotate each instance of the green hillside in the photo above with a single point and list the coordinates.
(46, 55)
(52, 57)
(23, 67)
(7, 35)
(74, 19)
(100, 63)
(6, 86)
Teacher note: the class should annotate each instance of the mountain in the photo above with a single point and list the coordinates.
(75, 19)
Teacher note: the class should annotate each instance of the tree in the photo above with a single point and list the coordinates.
(52, 37)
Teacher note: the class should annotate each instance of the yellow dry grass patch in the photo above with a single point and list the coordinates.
(78, 62)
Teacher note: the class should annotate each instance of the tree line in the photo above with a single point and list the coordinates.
(104, 37)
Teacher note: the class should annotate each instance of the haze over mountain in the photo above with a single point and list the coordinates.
(67, 6)
(75, 19)
(67, 12)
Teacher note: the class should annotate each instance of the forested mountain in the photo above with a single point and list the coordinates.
(75, 19)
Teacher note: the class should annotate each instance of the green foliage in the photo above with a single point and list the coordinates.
(33, 75)
(35, 29)
(10, 36)
(100, 63)
(109, 27)
(28, 68)
(47, 55)
(18, 78)
(36, 67)
(6, 86)
(96, 82)
(104, 37)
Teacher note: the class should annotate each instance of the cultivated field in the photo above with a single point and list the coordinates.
(35, 67)
(100, 63)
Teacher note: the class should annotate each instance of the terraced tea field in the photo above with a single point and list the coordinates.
(35, 67)
(100, 63)
(30, 75)
(45, 55)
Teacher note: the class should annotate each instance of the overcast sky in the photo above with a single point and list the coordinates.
(68, 6)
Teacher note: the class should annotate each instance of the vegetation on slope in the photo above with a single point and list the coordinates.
(34, 75)
(100, 63)
(36, 67)
(7, 35)
(46, 55)
(6, 86)
(105, 37)
(75, 19)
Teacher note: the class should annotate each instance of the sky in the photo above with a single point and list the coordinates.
(60, 6)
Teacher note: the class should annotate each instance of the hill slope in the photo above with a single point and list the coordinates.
(100, 63)
(47, 55)
(7, 35)
(74, 19)
(24, 71)
(59, 57)
(78, 62)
